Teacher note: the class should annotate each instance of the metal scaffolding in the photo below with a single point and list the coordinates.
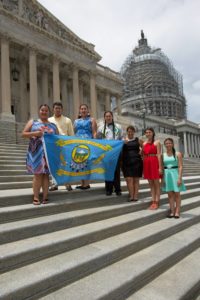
(151, 81)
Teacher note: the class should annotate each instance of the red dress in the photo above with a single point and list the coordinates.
(150, 162)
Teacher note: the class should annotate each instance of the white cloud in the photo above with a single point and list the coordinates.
(114, 27)
(196, 85)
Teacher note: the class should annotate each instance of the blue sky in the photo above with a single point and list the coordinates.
(114, 26)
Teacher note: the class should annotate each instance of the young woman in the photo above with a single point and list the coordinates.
(36, 161)
(172, 181)
(85, 127)
(152, 165)
(132, 162)
(110, 130)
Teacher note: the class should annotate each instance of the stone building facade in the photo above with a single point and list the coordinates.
(43, 61)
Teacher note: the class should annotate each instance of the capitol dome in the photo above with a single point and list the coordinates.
(152, 83)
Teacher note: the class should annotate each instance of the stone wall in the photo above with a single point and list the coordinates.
(10, 132)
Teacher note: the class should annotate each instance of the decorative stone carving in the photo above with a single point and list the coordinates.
(39, 18)
(11, 5)
(37, 15)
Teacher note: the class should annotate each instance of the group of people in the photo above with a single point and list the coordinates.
(138, 158)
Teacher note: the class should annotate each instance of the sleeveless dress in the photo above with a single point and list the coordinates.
(150, 162)
(131, 159)
(83, 128)
(35, 160)
(171, 175)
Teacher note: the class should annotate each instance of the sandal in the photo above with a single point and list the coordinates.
(154, 205)
(170, 214)
(177, 216)
(69, 188)
(53, 188)
(45, 201)
(36, 202)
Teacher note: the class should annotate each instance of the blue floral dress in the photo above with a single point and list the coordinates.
(83, 128)
(35, 160)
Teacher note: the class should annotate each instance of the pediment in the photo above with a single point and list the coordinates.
(33, 12)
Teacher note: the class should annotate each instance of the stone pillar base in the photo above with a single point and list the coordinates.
(7, 117)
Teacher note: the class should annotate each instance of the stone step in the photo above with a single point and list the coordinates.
(19, 178)
(6, 157)
(15, 185)
(10, 151)
(50, 223)
(118, 280)
(22, 196)
(196, 167)
(119, 267)
(176, 284)
(20, 170)
(12, 172)
(12, 164)
(12, 146)
(40, 221)
(22, 252)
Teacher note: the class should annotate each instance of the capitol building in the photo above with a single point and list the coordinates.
(153, 96)
(43, 61)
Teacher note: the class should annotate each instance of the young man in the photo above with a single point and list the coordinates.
(64, 126)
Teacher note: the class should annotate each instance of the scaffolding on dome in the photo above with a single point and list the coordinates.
(150, 79)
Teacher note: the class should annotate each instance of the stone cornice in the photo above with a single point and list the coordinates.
(108, 73)
(79, 48)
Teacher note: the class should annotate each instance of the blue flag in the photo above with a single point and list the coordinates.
(73, 158)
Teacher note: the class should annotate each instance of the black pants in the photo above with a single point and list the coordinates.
(116, 183)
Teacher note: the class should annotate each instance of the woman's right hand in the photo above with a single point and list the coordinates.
(38, 133)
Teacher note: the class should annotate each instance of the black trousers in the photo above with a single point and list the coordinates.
(116, 183)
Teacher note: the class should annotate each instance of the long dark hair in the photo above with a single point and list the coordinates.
(173, 149)
(113, 123)
(152, 130)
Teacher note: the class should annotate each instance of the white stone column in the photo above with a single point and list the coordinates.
(56, 80)
(81, 92)
(198, 144)
(93, 95)
(189, 144)
(0, 90)
(24, 105)
(195, 149)
(192, 145)
(108, 106)
(119, 107)
(5, 82)
(33, 84)
(64, 95)
(76, 99)
(45, 81)
(185, 145)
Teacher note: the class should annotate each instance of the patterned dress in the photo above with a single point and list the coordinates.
(35, 160)
(171, 175)
(83, 128)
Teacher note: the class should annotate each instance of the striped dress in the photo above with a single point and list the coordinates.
(35, 160)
